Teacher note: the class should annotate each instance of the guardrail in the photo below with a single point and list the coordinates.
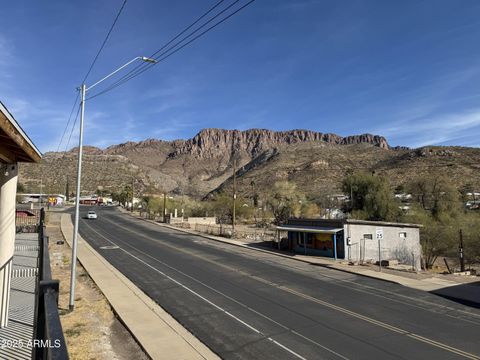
(49, 342)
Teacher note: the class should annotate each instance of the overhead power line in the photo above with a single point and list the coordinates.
(88, 73)
(104, 41)
(175, 48)
(175, 37)
(68, 122)
(142, 67)
(73, 128)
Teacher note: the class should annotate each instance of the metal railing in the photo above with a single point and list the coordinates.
(49, 342)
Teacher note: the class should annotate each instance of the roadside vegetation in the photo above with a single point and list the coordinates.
(432, 201)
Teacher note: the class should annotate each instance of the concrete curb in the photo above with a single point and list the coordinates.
(158, 333)
(433, 287)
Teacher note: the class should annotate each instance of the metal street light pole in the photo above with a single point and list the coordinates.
(83, 90)
(77, 201)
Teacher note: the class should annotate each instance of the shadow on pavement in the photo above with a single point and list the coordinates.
(465, 294)
(270, 246)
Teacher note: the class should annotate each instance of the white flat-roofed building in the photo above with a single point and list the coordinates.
(355, 240)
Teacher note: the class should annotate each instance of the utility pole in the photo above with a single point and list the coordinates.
(133, 183)
(234, 197)
(254, 203)
(460, 250)
(351, 195)
(41, 191)
(164, 207)
(67, 190)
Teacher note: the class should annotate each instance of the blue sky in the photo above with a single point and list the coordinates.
(408, 70)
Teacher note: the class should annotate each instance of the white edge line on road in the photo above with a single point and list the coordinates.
(205, 299)
(136, 291)
(225, 295)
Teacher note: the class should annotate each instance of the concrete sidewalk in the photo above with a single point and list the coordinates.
(159, 334)
(457, 291)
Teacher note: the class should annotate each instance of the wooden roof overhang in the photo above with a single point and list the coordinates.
(15, 145)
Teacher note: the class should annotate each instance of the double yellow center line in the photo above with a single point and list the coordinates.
(321, 302)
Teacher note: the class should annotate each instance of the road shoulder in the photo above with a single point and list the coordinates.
(159, 334)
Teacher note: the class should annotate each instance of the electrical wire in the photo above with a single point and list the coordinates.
(104, 41)
(142, 67)
(68, 122)
(164, 55)
(73, 128)
(175, 37)
(88, 73)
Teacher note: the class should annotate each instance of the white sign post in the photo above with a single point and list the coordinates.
(379, 236)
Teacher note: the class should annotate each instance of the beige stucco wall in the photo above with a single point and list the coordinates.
(406, 250)
(8, 190)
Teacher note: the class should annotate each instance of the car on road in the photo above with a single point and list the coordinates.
(91, 215)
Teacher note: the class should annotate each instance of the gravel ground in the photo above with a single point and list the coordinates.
(91, 331)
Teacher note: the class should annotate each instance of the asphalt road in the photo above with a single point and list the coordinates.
(246, 304)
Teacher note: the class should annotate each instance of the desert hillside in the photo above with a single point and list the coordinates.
(317, 162)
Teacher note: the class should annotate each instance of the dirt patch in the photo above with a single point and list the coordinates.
(91, 331)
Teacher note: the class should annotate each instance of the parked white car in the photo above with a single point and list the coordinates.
(91, 215)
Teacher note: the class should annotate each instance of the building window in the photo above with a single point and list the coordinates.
(368, 236)
(403, 235)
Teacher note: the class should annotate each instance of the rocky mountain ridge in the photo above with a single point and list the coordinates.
(204, 164)
(208, 142)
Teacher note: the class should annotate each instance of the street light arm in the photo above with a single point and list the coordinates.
(84, 89)
(143, 58)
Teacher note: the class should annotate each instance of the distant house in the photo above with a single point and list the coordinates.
(52, 199)
(353, 240)
(91, 200)
(403, 196)
(88, 201)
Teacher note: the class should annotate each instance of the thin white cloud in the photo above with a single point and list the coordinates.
(5, 50)
(435, 128)
(6, 64)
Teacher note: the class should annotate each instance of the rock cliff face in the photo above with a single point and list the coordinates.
(210, 143)
(197, 166)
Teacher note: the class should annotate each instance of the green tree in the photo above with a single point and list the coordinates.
(436, 238)
(155, 205)
(371, 197)
(222, 207)
(284, 200)
(310, 210)
(436, 207)
(145, 205)
(470, 224)
(124, 196)
(437, 195)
